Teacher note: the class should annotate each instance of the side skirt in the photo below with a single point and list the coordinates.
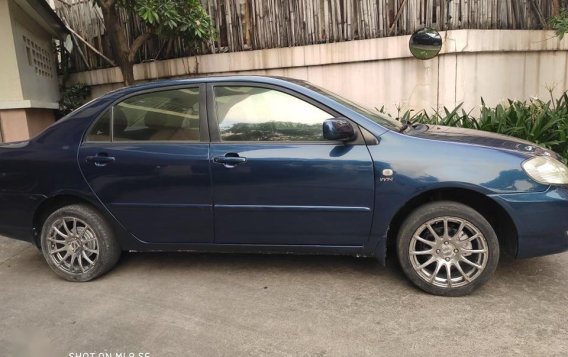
(357, 251)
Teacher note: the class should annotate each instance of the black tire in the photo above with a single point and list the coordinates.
(99, 237)
(448, 248)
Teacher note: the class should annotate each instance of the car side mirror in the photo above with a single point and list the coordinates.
(338, 129)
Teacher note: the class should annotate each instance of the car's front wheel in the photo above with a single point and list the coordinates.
(447, 248)
(78, 244)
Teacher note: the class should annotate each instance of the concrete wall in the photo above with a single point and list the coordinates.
(22, 124)
(10, 88)
(36, 60)
(27, 64)
(493, 64)
(28, 77)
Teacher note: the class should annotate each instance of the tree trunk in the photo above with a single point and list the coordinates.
(555, 7)
(118, 41)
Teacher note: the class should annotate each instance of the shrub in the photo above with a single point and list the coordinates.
(72, 97)
(542, 122)
(559, 23)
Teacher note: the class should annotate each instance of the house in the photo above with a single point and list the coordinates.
(29, 90)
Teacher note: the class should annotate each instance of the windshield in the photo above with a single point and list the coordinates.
(374, 115)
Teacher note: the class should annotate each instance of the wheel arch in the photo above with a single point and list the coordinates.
(51, 204)
(495, 214)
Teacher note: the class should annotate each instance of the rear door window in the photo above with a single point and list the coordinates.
(169, 115)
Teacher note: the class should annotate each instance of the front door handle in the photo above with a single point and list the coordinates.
(230, 160)
(100, 159)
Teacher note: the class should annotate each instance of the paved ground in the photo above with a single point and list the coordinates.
(229, 305)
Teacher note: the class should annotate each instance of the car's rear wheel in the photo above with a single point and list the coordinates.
(447, 248)
(78, 244)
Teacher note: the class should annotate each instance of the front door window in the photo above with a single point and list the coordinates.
(262, 114)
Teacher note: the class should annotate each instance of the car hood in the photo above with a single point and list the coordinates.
(481, 138)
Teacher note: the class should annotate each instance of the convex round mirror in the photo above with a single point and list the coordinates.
(425, 43)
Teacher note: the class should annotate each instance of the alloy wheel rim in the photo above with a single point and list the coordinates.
(448, 252)
(72, 245)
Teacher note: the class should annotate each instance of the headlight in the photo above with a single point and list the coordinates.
(546, 170)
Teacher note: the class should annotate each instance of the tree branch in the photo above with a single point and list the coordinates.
(138, 42)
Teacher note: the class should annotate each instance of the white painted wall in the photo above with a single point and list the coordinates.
(10, 88)
(493, 64)
(41, 89)
(20, 85)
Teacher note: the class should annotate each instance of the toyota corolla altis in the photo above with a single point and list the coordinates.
(260, 164)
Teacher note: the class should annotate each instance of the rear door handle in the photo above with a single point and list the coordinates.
(100, 159)
(230, 160)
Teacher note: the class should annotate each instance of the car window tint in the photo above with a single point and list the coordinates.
(171, 115)
(101, 130)
(261, 114)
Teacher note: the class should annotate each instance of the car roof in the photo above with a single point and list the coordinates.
(206, 79)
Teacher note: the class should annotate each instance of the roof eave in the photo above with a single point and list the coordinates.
(44, 15)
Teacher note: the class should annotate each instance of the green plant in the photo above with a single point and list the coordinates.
(184, 18)
(559, 23)
(542, 122)
(72, 97)
(165, 18)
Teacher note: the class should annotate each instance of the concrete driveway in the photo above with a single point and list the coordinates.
(229, 305)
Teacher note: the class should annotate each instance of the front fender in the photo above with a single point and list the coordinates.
(407, 167)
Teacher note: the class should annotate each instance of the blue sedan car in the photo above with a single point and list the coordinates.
(260, 164)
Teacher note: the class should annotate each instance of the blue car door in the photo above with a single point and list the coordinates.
(276, 180)
(147, 160)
